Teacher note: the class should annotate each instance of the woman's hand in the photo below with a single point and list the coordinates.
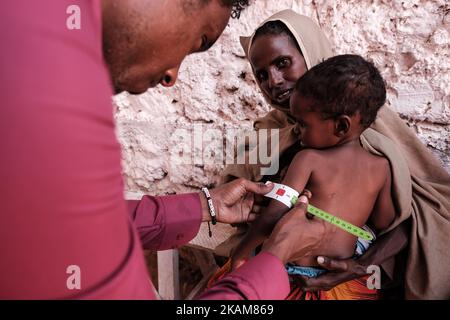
(385, 247)
(233, 201)
(340, 271)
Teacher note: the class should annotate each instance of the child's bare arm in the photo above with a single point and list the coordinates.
(259, 231)
(296, 177)
(300, 169)
(383, 211)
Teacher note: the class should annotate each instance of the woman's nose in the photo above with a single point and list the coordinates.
(275, 79)
(170, 77)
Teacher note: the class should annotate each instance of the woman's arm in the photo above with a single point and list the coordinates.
(387, 246)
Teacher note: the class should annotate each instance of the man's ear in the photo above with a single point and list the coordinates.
(342, 125)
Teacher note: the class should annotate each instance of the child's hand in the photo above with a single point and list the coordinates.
(261, 201)
(306, 193)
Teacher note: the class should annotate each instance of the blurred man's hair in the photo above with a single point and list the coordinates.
(236, 5)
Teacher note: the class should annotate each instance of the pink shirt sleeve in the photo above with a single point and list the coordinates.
(166, 222)
(65, 231)
(63, 216)
(261, 278)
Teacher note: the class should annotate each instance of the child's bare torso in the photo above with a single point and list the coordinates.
(345, 181)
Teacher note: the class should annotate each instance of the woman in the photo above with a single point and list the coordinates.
(280, 51)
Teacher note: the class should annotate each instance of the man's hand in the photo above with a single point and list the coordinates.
(296, 235)
(234, 200)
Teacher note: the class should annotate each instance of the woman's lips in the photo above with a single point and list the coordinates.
(283, 95)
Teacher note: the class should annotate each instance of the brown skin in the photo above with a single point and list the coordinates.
(145, 41)
(386, 247)
(340, 270)
(233, 201)
(337, 170)
(284, 240)
(277, 64)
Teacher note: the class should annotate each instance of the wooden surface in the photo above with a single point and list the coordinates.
(220, 233)
(168, 275)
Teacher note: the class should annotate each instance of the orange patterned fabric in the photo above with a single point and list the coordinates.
(351, 290)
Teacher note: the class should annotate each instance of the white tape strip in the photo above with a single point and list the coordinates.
(283, 193)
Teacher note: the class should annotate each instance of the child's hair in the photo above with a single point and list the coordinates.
(344, 85)
(276, 28)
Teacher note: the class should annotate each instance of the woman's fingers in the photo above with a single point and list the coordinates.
(315, 285)
(332, 264)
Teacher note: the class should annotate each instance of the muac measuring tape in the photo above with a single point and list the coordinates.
(289, 197)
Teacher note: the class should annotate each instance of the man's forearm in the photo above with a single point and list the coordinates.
(262, 278)
(166, 222)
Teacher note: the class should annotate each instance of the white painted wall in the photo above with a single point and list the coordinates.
(408, 40)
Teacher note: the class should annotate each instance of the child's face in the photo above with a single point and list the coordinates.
(277, 65)
(314, 131)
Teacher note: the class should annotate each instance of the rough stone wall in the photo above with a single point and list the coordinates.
(408, 40)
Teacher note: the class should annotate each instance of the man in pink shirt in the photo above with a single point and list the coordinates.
(61, 186)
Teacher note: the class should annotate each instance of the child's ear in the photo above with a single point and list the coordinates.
(342, 126)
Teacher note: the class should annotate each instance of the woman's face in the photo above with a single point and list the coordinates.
(277, 65)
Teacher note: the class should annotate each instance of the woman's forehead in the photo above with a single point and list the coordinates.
(266, 48)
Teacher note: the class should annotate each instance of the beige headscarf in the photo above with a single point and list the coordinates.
(421, 186)
(315, 48)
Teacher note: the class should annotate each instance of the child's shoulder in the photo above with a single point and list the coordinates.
(374, 165)
(379, 163)
(308, 156)
(375, 159)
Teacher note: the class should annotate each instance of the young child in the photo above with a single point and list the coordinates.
(333, 103)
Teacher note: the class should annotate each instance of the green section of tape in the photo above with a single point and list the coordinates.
(338, 222)
(294, 200)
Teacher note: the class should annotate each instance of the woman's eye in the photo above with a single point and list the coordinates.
(261, 76)
(283, 63)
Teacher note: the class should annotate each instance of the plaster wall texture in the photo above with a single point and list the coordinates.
(408, 41)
